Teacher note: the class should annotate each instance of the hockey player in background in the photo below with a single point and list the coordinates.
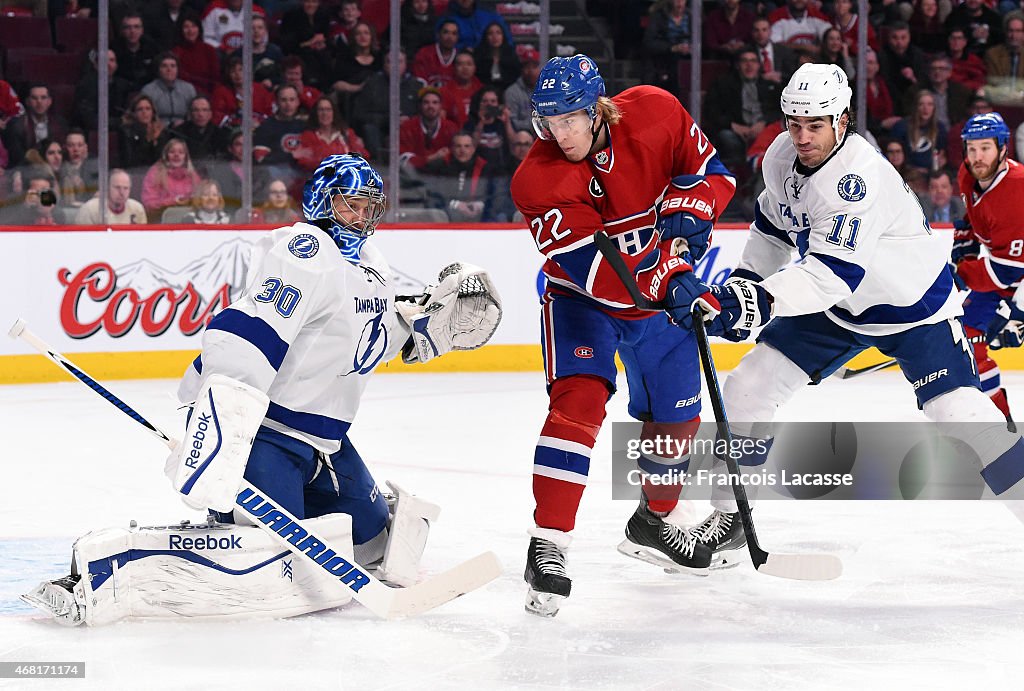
(871, 273)
(639, 168)
(272, 395)
(992, 186)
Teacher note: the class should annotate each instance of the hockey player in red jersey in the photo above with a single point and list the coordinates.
(992, 186)
(638, 167)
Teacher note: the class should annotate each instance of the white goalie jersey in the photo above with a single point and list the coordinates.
(308, 331)
(867, 257)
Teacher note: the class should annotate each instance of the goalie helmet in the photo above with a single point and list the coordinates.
(817, 90)
(565, 85)
(332, 190)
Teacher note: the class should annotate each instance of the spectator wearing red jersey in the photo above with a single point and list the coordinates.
(326, 133)
(227, 98)
(198, 62)
(434, 63)
(457, 95)
(425, 137)
(292, 69)
(845, 19)
(968, 68)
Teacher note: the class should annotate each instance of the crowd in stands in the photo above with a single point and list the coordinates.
(321, 86)
(930, 64)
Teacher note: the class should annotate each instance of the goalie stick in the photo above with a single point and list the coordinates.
(805, 567)
(385, 602)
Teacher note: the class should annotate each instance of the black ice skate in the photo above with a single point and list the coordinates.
(545, 574)
(649, 538)
(57, 598)
(722, 533)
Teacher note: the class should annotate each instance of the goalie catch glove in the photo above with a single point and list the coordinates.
(687, 212)
(460, 313)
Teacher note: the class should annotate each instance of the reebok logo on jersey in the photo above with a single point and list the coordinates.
(930, 378)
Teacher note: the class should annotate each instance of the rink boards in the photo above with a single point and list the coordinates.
(131, 302)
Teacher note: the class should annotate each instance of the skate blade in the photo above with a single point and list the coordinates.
(55, 601)
(543, 604)
(728, 559)
(631, 549)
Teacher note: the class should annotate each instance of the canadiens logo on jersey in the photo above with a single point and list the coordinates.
(303, 246)
(852, 187)
(585, 352)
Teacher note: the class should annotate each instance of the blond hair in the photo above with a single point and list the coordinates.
(608, 111)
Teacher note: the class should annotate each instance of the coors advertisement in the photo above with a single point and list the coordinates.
(149, 296)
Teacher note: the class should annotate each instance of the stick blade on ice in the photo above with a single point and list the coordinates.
(453, 583)
(803, 567)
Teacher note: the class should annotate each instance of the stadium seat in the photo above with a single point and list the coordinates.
(76, 36)
(25, 32)
(174, 214)
(15, 58)
(63, 99)
(52, 69)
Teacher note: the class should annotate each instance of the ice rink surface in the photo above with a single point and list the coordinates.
(932, 595)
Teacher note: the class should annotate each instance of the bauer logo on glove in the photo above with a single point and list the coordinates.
(460, 313)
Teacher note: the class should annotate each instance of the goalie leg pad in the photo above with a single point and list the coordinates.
(204, 571)
(208, 466)
(407, 537)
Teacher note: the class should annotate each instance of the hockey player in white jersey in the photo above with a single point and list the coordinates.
(870, 273)
(272, 397)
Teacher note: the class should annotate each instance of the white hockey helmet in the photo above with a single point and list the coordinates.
(817, 90)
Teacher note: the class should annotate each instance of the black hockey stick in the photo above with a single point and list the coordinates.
(848, 373)
(806, 567)
(295, 535)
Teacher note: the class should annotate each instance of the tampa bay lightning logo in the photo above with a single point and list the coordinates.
(373, 342)
(303, 246)
(852, 188)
